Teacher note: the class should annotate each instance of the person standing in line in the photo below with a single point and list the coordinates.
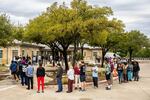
(108, 74)
(130, 71)
(13, 68)
(120, 72)
(112, 69)
(83, 76)
(77, 77)
(136, 70)
(23, 74)
(29, 74)
(59, 77)
(95, 76)
(125, 65)
(40, 77)
(70, 74)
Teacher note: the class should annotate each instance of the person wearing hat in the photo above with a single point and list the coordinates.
(70, 75)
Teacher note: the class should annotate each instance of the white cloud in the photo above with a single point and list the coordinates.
(134, 13)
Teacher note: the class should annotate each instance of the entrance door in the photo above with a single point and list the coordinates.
(14, 53)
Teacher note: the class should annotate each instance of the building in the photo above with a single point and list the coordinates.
(18, 49)
(90, 54)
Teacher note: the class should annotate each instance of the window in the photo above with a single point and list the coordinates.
(23, 53)
(37, 53)
(84, 54)
(32, 53)
(14, 53)
(1, 53)
(95, 54)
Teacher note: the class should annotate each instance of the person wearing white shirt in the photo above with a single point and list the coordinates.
(70, 75)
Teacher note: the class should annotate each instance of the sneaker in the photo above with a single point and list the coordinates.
(75, 88)
(83, 90)
(107, 88)
(58, 91)
(38, 91)
(68, 91)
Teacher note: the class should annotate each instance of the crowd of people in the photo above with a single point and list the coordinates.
(23, 70)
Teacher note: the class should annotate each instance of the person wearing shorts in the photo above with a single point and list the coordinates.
(82, 76)
(108, 74)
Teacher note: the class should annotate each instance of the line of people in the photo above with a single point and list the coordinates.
(23, 70)
(76, 75)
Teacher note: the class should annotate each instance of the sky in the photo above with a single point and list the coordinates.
(134, 13)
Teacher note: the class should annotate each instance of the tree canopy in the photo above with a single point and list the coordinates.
(5, 30)
(61, 26)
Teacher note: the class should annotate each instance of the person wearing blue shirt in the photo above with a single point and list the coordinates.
(95, 76)
(13, 68)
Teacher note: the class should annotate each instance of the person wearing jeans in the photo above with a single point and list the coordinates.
(59, 78)
(120, 72)
(130, 71)
(29, 74)
(40, 77)
(95, 76)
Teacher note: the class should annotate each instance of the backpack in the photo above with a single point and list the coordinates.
(30, 71)
(24, 69)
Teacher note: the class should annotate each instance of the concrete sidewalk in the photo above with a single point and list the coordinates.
(126, 91)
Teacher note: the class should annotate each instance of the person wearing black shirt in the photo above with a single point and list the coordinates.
(82, 76)
(40, 77)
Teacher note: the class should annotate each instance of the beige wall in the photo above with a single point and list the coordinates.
(7, 52)
(88, 53)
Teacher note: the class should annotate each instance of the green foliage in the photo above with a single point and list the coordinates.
(143, 52)
(5, 30)
(18, 32)
(131, 42)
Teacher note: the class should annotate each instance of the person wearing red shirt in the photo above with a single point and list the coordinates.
(77, 76)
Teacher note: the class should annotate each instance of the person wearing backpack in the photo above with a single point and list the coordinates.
(29, 74)
(13, 68)
(23, 73)
(40, 73)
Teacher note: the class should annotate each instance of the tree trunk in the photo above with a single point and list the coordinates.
(74, 53)
(82, 48)
(103, 56)
(130, 54)
(65, 59)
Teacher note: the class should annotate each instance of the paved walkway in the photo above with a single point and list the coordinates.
(126, 91)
